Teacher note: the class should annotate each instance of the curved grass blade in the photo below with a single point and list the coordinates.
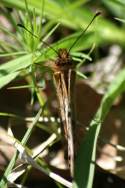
(84, 167)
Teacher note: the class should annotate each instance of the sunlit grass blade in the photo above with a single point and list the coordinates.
(51, 32)
(5, 114)
(81, 75)
(121, 20)
(15, 65)
(4, 80)
(21, 87)
(4, 54)
(10, 70)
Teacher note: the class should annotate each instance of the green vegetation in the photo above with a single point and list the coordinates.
(24, 53)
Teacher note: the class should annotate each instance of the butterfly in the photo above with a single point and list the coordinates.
(64, 76)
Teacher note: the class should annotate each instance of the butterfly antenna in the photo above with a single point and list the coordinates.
(22, 26)
(97, 14)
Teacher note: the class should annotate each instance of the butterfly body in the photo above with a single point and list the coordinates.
(64, 79)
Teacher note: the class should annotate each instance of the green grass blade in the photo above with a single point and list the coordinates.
(29, 131)
(55, 12)
(10, 70)
(51, 32)
(4, 80)
(15, 65)
(117, 7)
(8, 115)
(66, 42)
(84, 168)
(4, 54)
(3, 182)
(80, 74)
